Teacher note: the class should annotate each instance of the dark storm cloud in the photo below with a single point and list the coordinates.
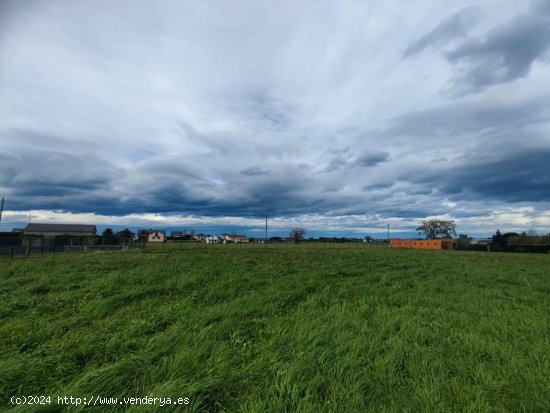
(175, 109)
(54, 190)
(406, 211)
(8, 167)
(287, 191)
(57, 180)
(452, 27)
(44, 173)
(541, 6)
(254, 171)
(372, 158)
(336, 163)
(471, 117)
(378, 185)
(272, 196)
(519, 176)
(169, 169)
(505, 54)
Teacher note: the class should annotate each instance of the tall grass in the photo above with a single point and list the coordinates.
(280, 330)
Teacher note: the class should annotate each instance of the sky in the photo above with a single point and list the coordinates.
(337, 116)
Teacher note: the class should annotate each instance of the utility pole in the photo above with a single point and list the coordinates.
(266, 228)
(388, 235)
(1, 209)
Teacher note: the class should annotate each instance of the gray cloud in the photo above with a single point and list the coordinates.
(505, 54)
(336, 163)
(516, 177)
(175, 109)
(453, 27)
(38, 173)
(372, 158)
(384, 184)
(254, 171)
(477, 117)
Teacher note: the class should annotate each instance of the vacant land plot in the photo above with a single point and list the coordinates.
(279, 330)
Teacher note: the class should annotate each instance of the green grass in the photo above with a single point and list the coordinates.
(296, 329)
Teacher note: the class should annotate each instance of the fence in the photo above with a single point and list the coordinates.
(175, 245)
(26, 247)
(18, 247)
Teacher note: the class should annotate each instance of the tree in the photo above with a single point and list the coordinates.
(125, 233)
(502, 239)
(125, 236)
(107, 232)
(297, 234)
(499, 239)
(463, 242)
(431, 228)
(108, 237)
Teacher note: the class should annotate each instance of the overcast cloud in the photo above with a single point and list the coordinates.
(332, 115)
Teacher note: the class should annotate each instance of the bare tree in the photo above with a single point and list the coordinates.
(297, 234)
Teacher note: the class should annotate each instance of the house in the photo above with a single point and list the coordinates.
(424, 244)
(151, 235)
(156, 236)
(233, 238)
(212, 239)
(67, 234)
(180, 236)
(54, 230)
(200, 237)
(481, 241)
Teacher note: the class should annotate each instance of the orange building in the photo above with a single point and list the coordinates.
(424, 244)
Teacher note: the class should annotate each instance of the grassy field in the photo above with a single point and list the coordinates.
(295, 329)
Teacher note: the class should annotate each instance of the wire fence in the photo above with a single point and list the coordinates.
(20, 247)
(13, 248)
(171, 246)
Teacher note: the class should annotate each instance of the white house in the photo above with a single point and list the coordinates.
(155, 236)
(233, 238)
(212, 239)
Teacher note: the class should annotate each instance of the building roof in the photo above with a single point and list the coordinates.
(60, 228)
(150, 231)
(233, 235)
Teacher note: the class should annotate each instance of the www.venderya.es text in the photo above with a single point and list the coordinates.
(99, 400)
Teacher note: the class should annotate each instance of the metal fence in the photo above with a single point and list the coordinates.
(18, 247)
(27, 247)
(175, 245)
